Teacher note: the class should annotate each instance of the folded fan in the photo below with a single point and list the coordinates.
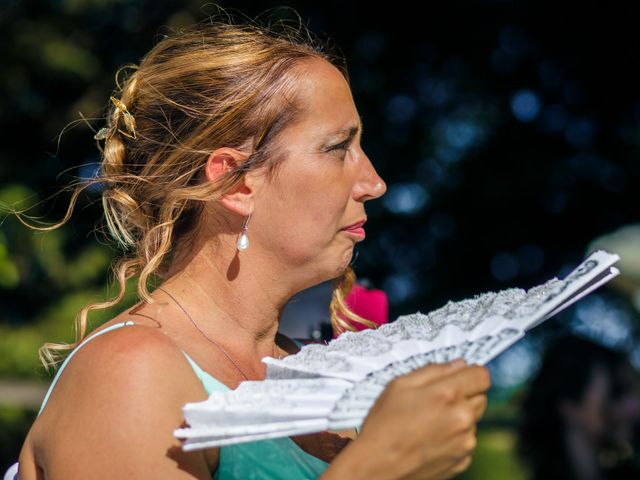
(333, 386)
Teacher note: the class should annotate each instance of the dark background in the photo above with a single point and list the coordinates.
(508, 134)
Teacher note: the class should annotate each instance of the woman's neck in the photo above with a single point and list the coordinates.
(234, 298)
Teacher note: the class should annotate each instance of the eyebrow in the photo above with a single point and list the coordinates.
(350, 131)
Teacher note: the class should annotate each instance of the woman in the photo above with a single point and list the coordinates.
(580, 413)
(233, 174)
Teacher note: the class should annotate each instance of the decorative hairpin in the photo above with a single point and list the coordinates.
(129, 122)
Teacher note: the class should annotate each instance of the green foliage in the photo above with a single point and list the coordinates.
(74, 272)
(51, 279)
(62, 280)
(494, 457)
(15, 195)
(9, 275)
(14, 425)
(59, 55)
(19, 346)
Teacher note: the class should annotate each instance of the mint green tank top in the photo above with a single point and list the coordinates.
(274, 459)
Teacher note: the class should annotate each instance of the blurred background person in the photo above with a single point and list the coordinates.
(580, 414)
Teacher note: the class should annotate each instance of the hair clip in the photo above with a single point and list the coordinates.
(129, 122)
(103, 133)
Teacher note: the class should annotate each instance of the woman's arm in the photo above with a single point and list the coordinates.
(114, 410)
(422, 426)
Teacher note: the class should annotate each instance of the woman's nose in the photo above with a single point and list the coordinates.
(369, 185)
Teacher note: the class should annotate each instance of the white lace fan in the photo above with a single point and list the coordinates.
(333, 386)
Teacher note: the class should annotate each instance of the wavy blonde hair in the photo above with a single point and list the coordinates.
(217, 83)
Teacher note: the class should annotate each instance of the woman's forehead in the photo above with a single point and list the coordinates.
(332, 128)
(326, 97)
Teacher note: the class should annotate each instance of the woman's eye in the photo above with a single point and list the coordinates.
(339, 147)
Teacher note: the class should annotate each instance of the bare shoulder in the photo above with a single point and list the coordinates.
(120, 395)
(135, 360)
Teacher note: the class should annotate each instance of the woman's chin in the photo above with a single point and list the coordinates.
(330, 268)
(344, 263)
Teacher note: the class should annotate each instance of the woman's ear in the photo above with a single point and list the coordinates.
(221, 161)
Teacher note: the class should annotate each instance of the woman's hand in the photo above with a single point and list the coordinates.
(422, 426)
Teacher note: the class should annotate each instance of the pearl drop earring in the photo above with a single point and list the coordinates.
(243, 241)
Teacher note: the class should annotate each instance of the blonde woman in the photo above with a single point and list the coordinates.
(234, 177)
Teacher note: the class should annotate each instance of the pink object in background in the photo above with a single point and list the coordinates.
(369, 303)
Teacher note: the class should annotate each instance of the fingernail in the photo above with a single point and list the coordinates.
(457, 363)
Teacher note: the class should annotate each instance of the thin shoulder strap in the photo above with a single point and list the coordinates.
(209, 382)
(84, 342)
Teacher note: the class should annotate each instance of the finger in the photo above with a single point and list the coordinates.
(430, 373)
(461, 465)
(478, 405)
(470, 381)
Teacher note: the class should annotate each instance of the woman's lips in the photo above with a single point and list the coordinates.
(356, 229)
(359, 232)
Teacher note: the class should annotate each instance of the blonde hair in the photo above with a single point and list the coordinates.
(210, 85)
